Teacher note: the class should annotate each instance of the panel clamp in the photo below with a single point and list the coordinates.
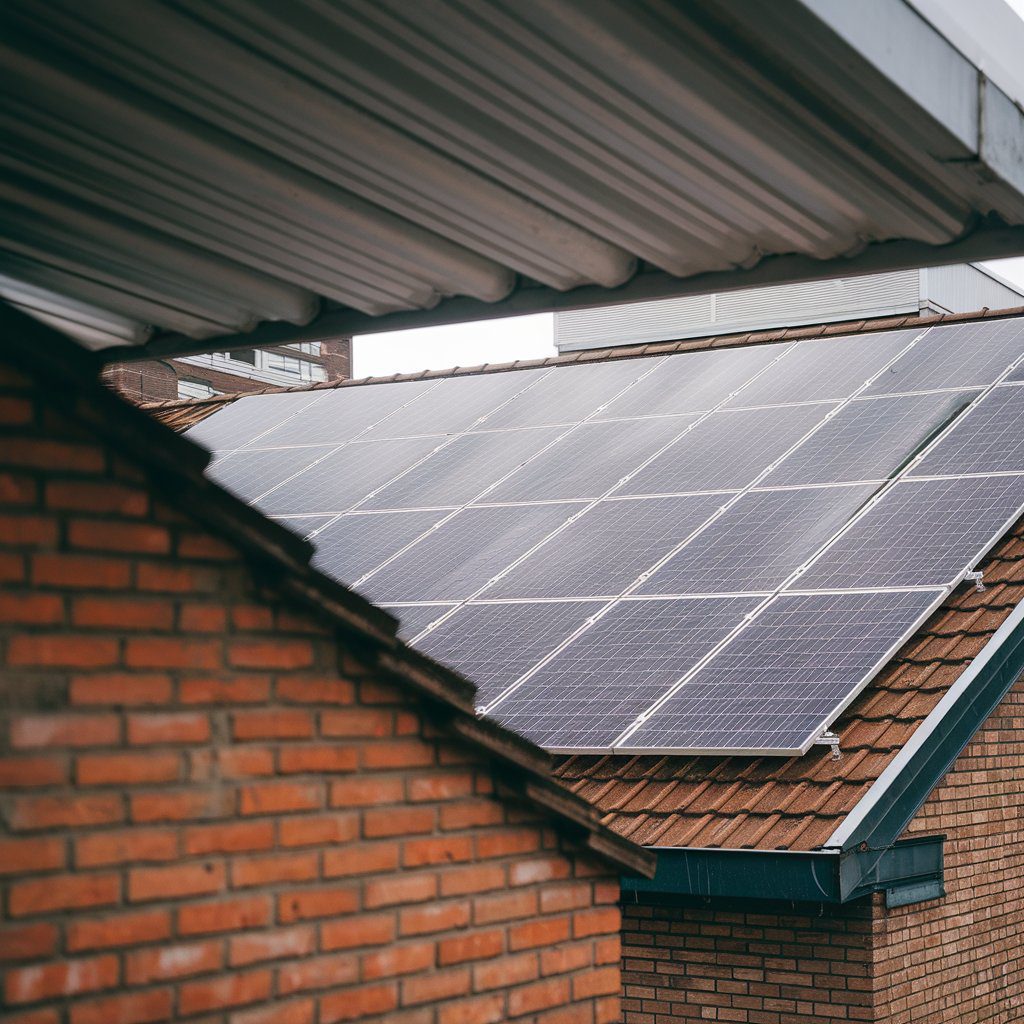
(832, 740)
(976, 579)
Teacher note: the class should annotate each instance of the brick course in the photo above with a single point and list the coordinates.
(213, 808)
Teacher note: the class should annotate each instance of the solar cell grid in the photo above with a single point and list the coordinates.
(243, 420)
(608, 547)
(570, 394)
(869, 439)
(457, 559)
(413, 619)
(494, 644)
(726, 451)
(250, 474)
(692, 382)
(461, 470)
(594, 689)
(455, 404)
(303, 525)
(920, 533)
(828, 369)
(776, 682)
(339, 481)
(590, 459)
(758, 542)
(989, 439)
(955, 356)
(341, 414)
(356, 543)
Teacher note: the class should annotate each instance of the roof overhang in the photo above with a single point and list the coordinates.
(201, 177)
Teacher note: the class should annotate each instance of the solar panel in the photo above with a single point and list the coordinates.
(494, 644)
(250, 474)
(303, 525)
(455, 404)
(460, 471)
(784, 677)
(823, 369)
(726, 450)
(608, 547)
(921, 533)
(594, 689)
(414, 618)
(343, 413)
(247, 418)
(600, 532)
(869, 439)
(358, 542)
(958, 356)
(458, 558)
(694, 384)
(989, 439)
(343, 479)
(758, 542)
(590, 460)
(570, 394)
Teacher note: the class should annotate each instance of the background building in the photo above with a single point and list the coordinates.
(956, 289)
(234, 372)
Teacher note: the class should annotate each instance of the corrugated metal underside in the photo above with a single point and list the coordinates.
(197, 169)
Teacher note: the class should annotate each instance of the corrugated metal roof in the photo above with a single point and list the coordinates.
(202, 169)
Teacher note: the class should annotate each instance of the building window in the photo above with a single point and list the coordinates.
(244, 355)
(310, 348)
(195, 389)
(301, 368)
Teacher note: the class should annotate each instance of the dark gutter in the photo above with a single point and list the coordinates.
(986, 241)
(908, 871)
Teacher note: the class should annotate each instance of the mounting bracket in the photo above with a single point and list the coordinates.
(976, 579)
(832, 740)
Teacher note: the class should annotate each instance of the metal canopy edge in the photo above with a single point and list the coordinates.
(988, 240)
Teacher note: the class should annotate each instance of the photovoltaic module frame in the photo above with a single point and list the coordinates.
(704, 552)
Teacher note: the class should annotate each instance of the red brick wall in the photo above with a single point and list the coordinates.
(204, 816)
(962, 958)
(756, 963)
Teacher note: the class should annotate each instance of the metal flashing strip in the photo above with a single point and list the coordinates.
(898, 793)
(908, 871)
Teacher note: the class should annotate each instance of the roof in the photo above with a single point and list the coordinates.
(767, 803)
(184, 179)
(797, 803)
(174, 469)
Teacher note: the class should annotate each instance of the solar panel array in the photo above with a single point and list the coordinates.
(702, 552)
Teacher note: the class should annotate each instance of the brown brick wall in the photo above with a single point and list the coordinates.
(962, 958)
(744, 961)
(205, 817)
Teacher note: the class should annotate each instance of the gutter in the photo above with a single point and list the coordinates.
(908, 871)
(865, 854)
